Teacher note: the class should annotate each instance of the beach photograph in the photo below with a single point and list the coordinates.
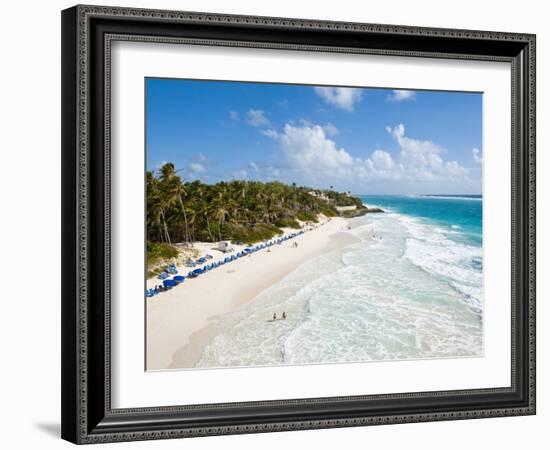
(299, 224)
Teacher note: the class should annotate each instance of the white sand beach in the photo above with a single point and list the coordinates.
(180, 322)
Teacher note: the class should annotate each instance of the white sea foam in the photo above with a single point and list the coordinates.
(404, 291)
(451, 197)
(457, 263)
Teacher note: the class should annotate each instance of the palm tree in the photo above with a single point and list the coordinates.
(202, 207)
(177, 210)
(157, 205)
(175, 192)
(220, 213)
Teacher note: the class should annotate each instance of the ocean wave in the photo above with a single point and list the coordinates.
(404, 291)
(460, 264)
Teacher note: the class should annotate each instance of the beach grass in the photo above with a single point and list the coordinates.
(287, 222)
(159, 255)
(253, 234)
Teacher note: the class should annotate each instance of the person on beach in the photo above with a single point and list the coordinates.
(274, 316)
(284, 315)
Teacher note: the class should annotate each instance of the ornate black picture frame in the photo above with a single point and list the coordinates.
(87, 33)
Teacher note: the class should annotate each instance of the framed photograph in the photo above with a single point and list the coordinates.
(280, 224)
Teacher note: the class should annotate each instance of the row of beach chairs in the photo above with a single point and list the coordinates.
(169, 283)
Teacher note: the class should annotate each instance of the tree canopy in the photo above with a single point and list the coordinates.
(183, 211)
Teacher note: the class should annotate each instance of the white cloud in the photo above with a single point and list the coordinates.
(257, 118)
(264, 171)
(270, 133)
(307, 147)
(234, 116)
(201, 158)
(343, 98)
(330, 129)
(382, 160)
(455, 169)
(421, 159)
(197, 167)
(310, 156)
(399, 95)
(241, 174)
(478, 157)
(412, 145)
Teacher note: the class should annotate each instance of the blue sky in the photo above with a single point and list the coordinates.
(366, 140)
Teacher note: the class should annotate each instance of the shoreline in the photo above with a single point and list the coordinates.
(182, 321)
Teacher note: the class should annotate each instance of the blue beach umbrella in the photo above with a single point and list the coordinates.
(169, 283)
(179, 278)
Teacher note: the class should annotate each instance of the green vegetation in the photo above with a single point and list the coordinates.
(307, 216)
(288, 223)
(251, 235)
(157, 256)
(360, 212)
(157, 251)
(247, 211)
(340, 199)
(329, 212)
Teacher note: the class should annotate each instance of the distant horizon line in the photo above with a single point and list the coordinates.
(426, 195)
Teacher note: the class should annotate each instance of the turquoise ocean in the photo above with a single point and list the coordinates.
(410, 287)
